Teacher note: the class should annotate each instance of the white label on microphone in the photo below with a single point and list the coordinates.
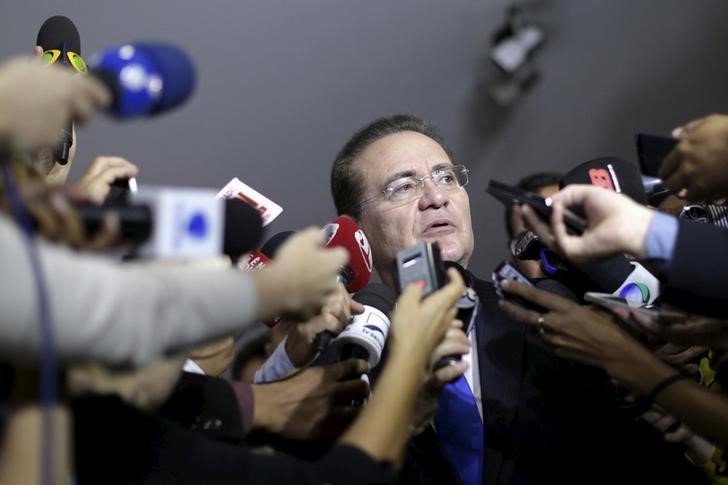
(369, 330)
(187, 222)
(640, 288)
(267, 209)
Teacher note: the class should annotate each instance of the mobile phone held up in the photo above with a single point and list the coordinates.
(509, 195)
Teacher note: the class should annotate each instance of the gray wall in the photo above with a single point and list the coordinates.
(282, 84)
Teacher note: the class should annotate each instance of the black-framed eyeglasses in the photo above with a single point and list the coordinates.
(407, 189)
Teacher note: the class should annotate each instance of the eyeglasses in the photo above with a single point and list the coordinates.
(407, 189)
(52, 56)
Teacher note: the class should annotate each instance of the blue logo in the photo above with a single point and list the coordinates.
(636, 294)
(197, 225)
(374, 328)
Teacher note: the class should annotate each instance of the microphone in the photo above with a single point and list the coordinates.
(60, 33)
(145, 79)
(181, 223)
(365, 336)
(259, 259)
(468, 306)
(611, 173)
(344, 232)
(616, 275)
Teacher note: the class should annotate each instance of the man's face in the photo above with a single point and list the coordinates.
(437, 215)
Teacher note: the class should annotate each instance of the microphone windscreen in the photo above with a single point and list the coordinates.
(378, 296)
(555, 287)
(344, 232)
(611, 173)
(59, 30)
(145, 79)
(243, 228)
(273, 244)
(607, 274)
(176, 70)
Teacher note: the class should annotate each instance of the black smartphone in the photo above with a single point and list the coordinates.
(509, 195)
(506, 271)
(652, 150)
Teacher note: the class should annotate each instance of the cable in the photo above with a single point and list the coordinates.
(48, 368)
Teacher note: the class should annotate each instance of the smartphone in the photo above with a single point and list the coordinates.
(506, 271)
(609, 301)
(652, 150)
(509, 195)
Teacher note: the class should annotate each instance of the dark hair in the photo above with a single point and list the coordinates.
(346, 180)
(532, 183)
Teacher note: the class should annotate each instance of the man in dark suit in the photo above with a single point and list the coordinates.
(510, 412)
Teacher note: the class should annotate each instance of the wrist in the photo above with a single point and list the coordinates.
(269, 285)
(635, 367)
(264, 417)
(641, 223)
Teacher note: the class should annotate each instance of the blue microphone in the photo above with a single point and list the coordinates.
(145, 79)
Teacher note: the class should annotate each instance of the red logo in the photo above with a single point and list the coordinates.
(600, 177)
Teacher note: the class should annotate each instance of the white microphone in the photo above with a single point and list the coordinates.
(364, 337)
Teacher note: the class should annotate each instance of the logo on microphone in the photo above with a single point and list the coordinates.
(605, 177)
(600, 177)
(197, 225)
(364, 248)
(374, 328)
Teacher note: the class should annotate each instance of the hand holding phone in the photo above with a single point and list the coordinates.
(509, 196)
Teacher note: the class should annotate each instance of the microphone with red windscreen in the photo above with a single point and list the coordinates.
(345, 233)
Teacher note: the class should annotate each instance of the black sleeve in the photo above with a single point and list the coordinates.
(696, 278)
(115, 444)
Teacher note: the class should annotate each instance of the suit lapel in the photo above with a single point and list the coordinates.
(500, 344)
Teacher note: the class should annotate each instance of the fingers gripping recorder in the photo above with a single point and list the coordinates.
(422, 265)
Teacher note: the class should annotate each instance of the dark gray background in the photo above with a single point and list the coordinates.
(282, 85)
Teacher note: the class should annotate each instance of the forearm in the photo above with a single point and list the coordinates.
(22, 441)
(705, 412)
(382, 429)
(115, 313)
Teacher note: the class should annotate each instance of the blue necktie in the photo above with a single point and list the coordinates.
(460, 430)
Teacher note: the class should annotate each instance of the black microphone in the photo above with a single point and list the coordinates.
(60, 33)
(467, 307)
(273, 244)
(243, 227)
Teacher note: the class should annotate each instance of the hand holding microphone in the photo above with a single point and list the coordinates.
(302, 276)
(301, 345)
